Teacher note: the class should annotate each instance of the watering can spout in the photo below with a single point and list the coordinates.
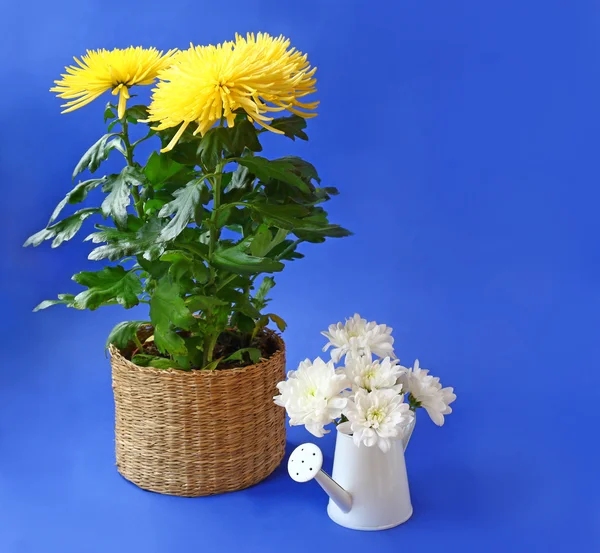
(305, 463)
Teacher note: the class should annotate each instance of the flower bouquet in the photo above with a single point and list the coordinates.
(194, 231)
(365, 399)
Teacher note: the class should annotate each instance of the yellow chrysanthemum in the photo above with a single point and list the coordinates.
(259, 74)
(102, 70)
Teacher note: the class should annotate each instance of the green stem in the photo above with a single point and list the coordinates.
(413, 403)
(226, 282)
(214, 230)
(149, 135)
(291, 247)
(210, 340)
(137, 200)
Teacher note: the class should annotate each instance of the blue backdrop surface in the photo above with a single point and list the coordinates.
(463, 137)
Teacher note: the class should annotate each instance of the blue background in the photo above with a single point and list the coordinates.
(464, 138)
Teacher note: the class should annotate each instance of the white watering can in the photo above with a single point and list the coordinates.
(368, 489)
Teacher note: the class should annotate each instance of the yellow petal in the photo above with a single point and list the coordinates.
(177, 136)
(122, 102)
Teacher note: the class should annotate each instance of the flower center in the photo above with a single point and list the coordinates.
(375, 416)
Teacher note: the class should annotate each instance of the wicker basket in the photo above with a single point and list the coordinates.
(193, 433)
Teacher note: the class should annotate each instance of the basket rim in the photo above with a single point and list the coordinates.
(199, 373)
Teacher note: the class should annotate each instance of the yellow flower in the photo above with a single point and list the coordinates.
(205, 84)
(102, 70)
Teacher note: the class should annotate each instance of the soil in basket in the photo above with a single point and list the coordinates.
(228, 344)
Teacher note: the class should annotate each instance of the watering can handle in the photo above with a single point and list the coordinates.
(407, 433)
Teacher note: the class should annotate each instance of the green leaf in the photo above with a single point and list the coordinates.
(303, 168)
(281, 324)
(260, 298)
(63, 299)
(316, 233)
(194, 357)
(76, 195)
(173, 256)
(145, 360)
(266, 169)
(63, 230)
(152, 206)
(235, 260)
(160, 167)
(200, 272)
(199, 302)
(212, 365)
(109, 284)
(118, 187)
(124, 333)
(168, 341)
(241, 178)
(167, 308)
(211, 147)
(291, 126)
(253, 353)
(312, 227)
(242, 135)
(137, 112)
(286, 250)
(247, 308)
(261, 242)
(108, 112)
(122, 243)
(282, 216)
(244, 323)
(184, 207)
(154, 269)
(280, 236)
(182, 264)
(96, 154)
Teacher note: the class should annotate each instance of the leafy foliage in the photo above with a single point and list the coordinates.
(183, 207)
(119, 193)
(97, 153)
(292, 126)
(63, 230)
(124, 333)
(110, 285)
(197, 234)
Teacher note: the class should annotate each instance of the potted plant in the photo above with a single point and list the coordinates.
(195, 233)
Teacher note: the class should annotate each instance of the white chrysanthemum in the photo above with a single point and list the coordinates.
(376, 418)
(311, 395)
(373, 375)
(358, 337)
(428, 392)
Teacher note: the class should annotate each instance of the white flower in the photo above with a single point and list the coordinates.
(428, 392)
(358, 337)
(373, 375)
(311, 395)
(376, 418)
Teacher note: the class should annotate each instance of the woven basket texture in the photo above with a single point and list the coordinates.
(193, 433)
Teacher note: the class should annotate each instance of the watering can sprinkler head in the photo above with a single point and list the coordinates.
(305, 463)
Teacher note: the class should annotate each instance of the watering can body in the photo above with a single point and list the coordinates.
(368, 489)
(377, 482)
